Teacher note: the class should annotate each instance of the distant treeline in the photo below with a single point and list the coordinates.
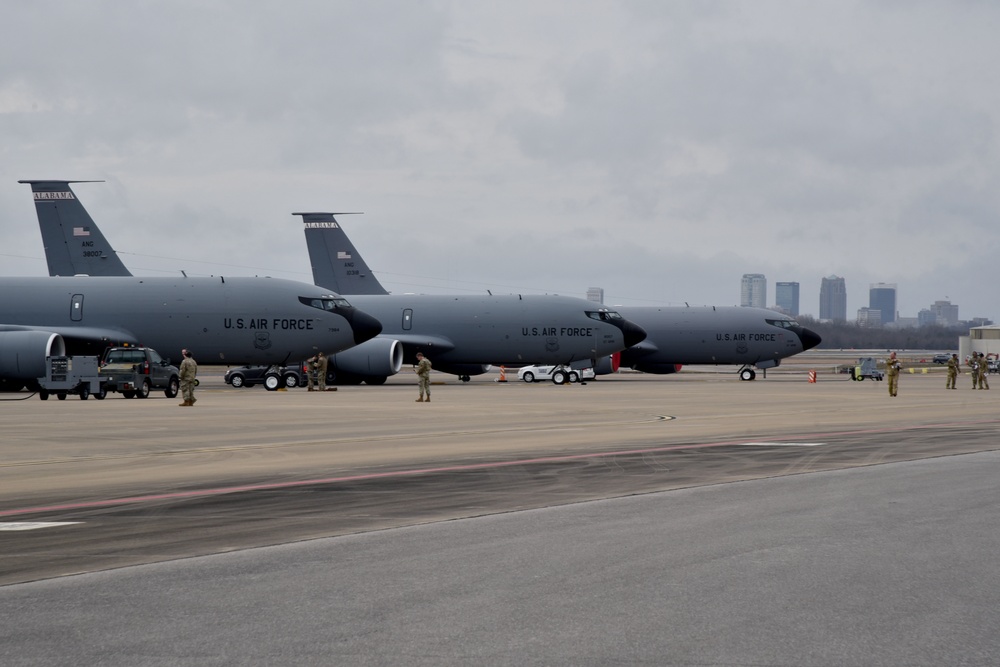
(838, 335)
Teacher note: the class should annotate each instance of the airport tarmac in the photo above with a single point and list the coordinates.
(146, 480)
(688, 519)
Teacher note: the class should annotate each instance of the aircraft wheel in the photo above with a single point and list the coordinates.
(464, 378)
(173, 387)
(272, 382)
(529, 377)
(747, 374)
(560, 377)
(291, 380)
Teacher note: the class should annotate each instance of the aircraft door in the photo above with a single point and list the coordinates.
(76, 308)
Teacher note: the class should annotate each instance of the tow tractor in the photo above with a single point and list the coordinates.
(866, 368)
(71, 375)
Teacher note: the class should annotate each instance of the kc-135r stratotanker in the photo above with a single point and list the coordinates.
(222, 320)
(462, 334)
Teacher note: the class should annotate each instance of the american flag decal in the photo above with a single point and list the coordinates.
(81, 231)
(343, 255)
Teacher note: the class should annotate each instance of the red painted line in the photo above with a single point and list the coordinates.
(202, 493)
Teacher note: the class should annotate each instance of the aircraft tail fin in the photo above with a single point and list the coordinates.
(73, 243)
(336, 263)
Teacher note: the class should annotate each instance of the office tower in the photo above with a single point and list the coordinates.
(786, 297)
(882, 296)
(833, 299)
(595, 294)
(869, 317)
(945, 313)
(753, 290)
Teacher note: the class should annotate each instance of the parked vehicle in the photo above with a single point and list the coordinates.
(558, 374)
(941, 358)
(272, 377)
(135, 371)
(867, 368)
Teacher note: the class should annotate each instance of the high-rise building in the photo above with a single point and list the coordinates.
(786, 297)
(945, 313)
(833, 299)
(869, 317)
(882, 296)
(753, 290)
(595, 294)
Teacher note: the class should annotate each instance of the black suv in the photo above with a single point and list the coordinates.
(941, 358)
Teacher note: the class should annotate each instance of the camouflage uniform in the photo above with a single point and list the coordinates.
(974, 365)
(188, 373)
(423, 371)
(892, 367)
(317, 371)
(983, 370)
(952, 372)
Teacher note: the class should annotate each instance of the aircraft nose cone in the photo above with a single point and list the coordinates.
(634, 334)
(810, 339)
(364, 326)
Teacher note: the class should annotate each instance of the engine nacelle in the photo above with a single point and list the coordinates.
(607, 365)
(22, 353)
(379, 357)
(657, 369)
(462, 369)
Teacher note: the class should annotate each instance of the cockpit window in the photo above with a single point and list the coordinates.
(329, 303)
(604, 315)
(784, 324)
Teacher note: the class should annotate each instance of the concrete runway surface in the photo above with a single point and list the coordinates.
(146, 481)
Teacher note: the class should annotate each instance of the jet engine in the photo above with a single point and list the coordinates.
(607, 365)
(378, 357)
(22, 353)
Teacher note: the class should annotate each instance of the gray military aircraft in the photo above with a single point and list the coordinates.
(747, 337)
(222, 320)
(462, 335)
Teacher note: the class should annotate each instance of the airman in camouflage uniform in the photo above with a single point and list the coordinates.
(188, 373)
(423, 371)
(892, 367)
(953, 364)
(974, 365)
(984, 369)
(317, 371)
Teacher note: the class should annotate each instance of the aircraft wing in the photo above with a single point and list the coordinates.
(436, 343)
(81, 334)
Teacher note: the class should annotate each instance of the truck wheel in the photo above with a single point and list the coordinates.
(172, 387)
(128, 394)
(61, 396)
(84, 394)
(272, 382)
(291, 380)
(44, 395)
(143, 391)
(574, 376)
(101, 394)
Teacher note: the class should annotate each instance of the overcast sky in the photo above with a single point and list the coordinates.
(657, 149)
